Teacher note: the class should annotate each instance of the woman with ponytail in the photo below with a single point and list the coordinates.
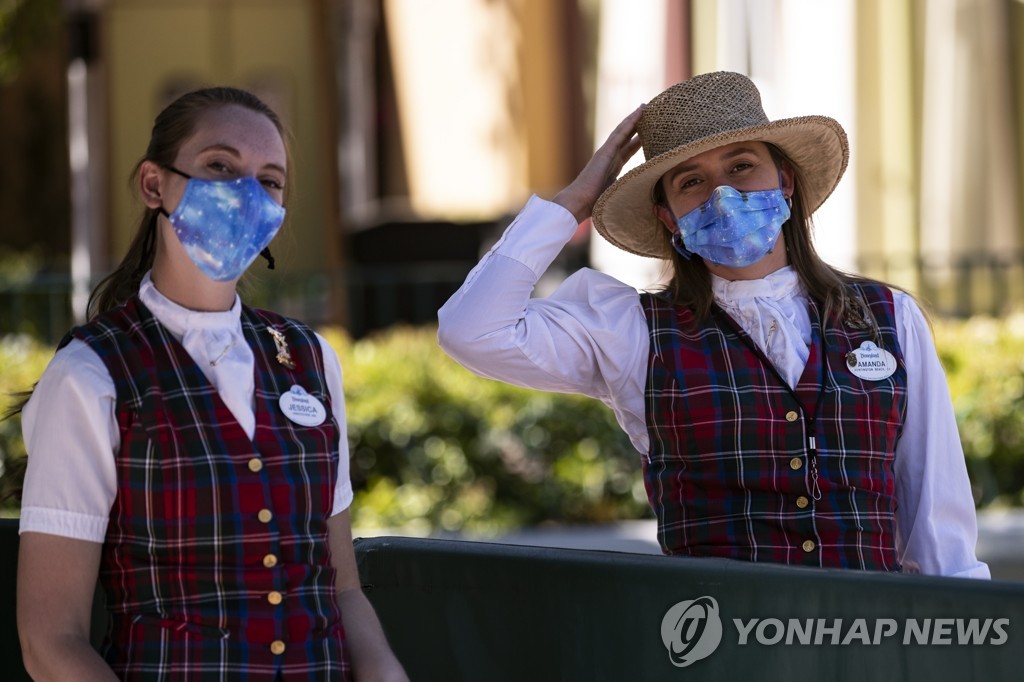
(190, 452)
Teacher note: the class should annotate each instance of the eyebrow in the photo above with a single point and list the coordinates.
(739, 151)
(234, 152)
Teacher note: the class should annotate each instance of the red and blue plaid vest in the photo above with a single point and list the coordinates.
(734, 450)
(216, 563)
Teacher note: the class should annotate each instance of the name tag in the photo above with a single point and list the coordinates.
(871, 363)
(302, 408)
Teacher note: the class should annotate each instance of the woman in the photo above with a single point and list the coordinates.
(190, 451)
(784, 411)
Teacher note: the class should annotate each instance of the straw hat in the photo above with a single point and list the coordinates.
(705, 112)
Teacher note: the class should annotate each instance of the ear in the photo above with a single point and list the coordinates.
(151, 184)
(666, 218)
(788, 183)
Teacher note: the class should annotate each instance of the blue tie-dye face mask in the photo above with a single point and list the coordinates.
(733, 228)
(225, 224)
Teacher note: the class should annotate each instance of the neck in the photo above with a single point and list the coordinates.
(177, 277)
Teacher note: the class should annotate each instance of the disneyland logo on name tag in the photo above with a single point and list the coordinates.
(302, 408)
(870, 362)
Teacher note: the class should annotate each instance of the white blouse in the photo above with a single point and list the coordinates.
(71, 432)
(591, 337)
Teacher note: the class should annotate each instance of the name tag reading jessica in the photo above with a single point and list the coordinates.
(870, 362)
(302, 408)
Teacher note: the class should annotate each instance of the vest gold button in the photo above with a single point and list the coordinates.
(792, 416)
(275, 597)
(270, 560)
(795, 463)
(265, 515)
(808, 545)
(255, 464)
(802, 502)
(277, 647)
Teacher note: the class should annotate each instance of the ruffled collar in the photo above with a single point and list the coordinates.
(780, 285)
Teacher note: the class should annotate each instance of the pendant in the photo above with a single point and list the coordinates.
(283, 356)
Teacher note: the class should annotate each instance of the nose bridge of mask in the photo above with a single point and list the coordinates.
(723, 193)
(721, 204)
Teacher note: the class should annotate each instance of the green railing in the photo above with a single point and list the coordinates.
(360, 298)
(456, 610)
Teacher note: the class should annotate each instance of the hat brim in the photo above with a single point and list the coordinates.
(624, 213)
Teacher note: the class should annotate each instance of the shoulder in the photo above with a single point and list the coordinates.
(76, 369)
(107, 327)
(872, 290)
(905, 307)
(328, 351)
(271, 319)
(595, 287)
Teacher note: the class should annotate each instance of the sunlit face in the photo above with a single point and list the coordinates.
(230, 142)
(744, 166)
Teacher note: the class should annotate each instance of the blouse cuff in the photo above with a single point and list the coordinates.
(63, 523)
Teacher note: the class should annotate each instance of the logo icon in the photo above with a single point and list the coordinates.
(691, 630)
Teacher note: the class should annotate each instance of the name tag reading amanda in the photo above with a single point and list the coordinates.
(302, 408)
(870, 362)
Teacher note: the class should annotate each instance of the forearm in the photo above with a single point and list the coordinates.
(372, 658)
(496, 290)
(61, 658)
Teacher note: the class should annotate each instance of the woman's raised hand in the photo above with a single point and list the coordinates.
(602, 169)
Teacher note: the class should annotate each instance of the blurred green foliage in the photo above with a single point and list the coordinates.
(436, 449)
(24, 24)
(22, 361)
(984, 361)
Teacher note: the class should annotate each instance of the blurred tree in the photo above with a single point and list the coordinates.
(24, 24)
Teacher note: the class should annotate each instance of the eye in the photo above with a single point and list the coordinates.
(272, 183)
(741, 166)
(218, 167)
(689, 183)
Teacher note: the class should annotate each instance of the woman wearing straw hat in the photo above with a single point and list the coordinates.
(784, 411)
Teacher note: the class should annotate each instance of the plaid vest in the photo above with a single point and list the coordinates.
(216, 563)
(741, 466)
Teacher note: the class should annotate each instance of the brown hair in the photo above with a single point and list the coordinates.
(172, 127)
(690, 284)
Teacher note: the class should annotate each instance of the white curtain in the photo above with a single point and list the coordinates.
(969, 186)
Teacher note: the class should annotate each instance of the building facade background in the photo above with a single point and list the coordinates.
(421, 128)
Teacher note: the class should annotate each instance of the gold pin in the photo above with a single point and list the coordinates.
(283, 356)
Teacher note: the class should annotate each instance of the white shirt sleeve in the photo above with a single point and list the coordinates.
(71, 436)
(936, 525)
(332, 371)
(589, 337)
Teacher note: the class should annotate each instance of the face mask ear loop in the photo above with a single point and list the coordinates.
(269, 258)
(677, 244)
